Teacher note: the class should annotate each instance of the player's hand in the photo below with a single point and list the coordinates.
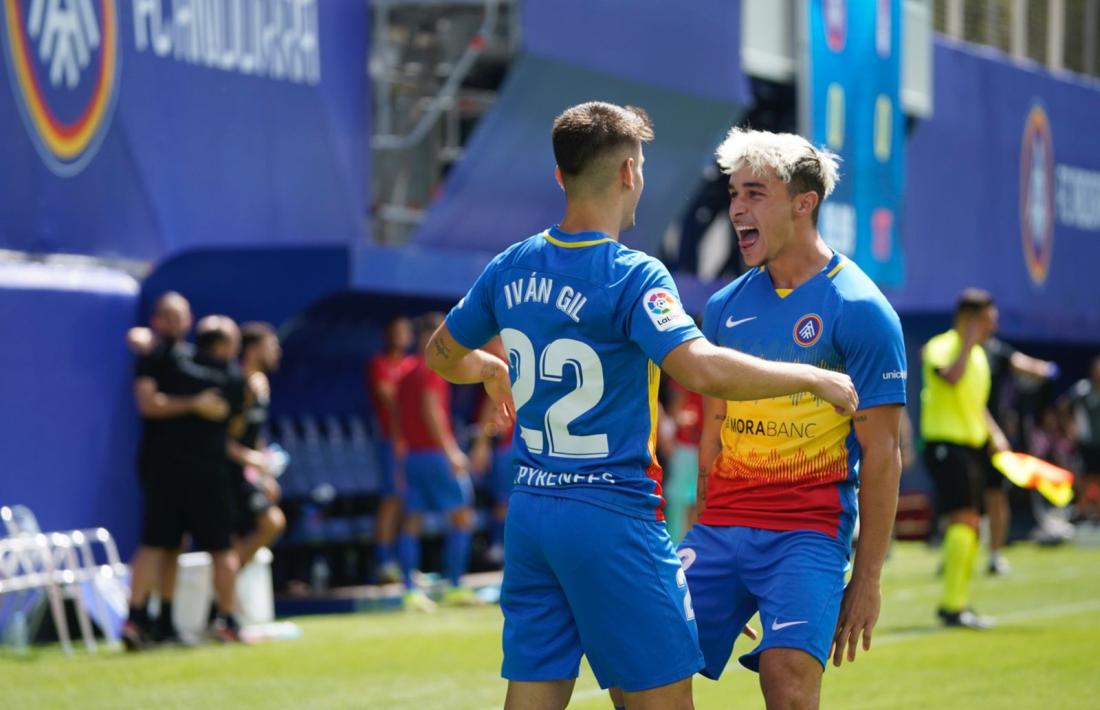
(837, 389)
(458, 461)
(209, 404)
(750, 632)
(858, 615)
(499, 388)
(140, 340)
(999, 443)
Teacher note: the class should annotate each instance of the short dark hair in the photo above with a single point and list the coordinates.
(972, 301)
(806, 177)
(207, 340)
(253, 332)
(428, 323)
(587, 131)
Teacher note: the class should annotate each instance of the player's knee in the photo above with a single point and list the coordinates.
(965, 516)
(790, 693)
(790, 679)
(225, 561)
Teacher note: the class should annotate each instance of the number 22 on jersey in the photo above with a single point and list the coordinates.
(549, 367)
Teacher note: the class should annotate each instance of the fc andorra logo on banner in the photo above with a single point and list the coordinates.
(63, 62)
(1037, 194)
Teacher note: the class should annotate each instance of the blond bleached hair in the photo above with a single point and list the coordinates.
(792, 158)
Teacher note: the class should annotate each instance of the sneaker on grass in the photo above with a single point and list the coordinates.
(418, 600)
(965, 619)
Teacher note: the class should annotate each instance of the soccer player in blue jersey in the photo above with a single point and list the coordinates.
(586, 323)
(780, 476)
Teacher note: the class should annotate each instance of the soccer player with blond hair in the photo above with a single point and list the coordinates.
(780, 476)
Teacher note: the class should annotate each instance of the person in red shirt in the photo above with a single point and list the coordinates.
(383, 373)
(436, 472)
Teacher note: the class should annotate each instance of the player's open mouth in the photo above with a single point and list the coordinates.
(746, 236)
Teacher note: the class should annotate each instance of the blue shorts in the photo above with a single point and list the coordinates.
(580, 579)
(431, 486)
(502, 475)
(795, 579)
(387, 467)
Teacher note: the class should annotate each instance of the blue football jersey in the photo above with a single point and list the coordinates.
(792, 463)
(586, 323)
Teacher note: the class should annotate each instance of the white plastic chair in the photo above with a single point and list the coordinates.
(71, 557)
(26, 564)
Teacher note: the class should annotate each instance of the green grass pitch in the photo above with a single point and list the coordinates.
(1044, 654)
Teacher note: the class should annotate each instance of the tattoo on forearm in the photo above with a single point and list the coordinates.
(487, 372)
(860, 418)
(442, 350)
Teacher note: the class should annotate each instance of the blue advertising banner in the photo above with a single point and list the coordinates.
(140, 128)
(1004, 194)
(854, 90)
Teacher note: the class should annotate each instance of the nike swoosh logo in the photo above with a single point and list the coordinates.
(730, 322)
(776, 626)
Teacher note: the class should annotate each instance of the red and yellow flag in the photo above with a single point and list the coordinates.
(1053, 482)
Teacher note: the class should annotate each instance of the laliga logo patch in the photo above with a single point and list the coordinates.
(660, 302)
(663, 309)
(63, 62)
(1037, 194)
(807, 330)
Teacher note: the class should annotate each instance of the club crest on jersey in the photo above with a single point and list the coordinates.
(664, 308)
(807, 329)
(63, 63)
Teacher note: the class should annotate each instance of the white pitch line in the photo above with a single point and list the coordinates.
(887, 639)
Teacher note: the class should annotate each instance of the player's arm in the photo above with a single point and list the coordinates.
(734, 376)
(154, 404)
(877, 430)
(710, 444)
(435, 421)
(244, 456)
(906, 442)
(1026, 365)
(458, 364)
(997, 438)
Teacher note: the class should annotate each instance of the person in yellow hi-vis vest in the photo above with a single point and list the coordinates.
(958, 430)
